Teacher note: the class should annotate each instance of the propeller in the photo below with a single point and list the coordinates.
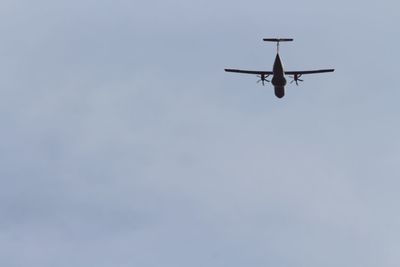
(296, 78)
(263, 78)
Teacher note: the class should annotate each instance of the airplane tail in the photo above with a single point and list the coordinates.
(278, 40)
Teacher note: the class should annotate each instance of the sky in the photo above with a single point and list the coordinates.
(124, 143)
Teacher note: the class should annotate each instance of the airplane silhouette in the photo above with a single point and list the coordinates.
(278, 73)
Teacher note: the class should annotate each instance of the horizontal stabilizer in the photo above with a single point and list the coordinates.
(278, 39)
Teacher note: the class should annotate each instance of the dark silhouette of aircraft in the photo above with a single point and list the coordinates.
(278, 73)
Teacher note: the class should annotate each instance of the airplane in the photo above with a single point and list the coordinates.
(278, 73)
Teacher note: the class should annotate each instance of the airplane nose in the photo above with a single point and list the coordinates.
(279, 92)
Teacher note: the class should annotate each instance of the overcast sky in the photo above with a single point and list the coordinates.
(124, 143)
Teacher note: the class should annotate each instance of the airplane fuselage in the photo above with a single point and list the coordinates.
(278, 79)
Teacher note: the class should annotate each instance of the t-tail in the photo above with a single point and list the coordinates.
(277, 41)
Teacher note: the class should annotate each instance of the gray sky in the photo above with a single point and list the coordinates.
(123, 142)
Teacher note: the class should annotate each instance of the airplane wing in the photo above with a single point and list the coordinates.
(308, 71)
(250, 71)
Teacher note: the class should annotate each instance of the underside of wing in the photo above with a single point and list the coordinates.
(250, 71)
(308, 71)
